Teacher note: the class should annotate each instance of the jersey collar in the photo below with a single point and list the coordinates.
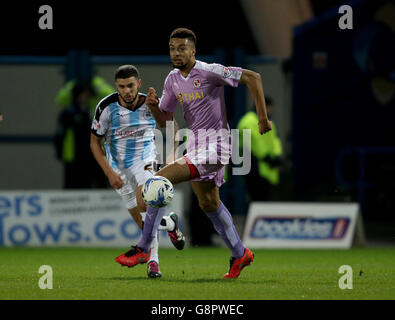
(190, 74)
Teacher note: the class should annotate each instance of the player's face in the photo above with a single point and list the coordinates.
(182, 52)
(128, 89)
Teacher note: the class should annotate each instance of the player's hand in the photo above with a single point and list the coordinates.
(265, 126)
(115, 180)
(152, 98)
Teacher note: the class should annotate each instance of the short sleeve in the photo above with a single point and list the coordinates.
(168, 101)
(101, 122)
(224, 76)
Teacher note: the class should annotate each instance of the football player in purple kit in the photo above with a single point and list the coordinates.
(199, 87)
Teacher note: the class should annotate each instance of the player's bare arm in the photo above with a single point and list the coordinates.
(96, 148)
(152, 101)
(253, 81)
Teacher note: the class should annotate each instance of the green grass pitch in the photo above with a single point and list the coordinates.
(195, 273)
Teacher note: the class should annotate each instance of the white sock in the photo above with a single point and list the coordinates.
(170, 225)
(154, 249)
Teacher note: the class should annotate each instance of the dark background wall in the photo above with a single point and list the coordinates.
(122, 27)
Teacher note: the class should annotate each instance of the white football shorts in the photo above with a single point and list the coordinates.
(133, 177)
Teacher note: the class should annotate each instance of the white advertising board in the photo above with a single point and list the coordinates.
(72, 218)
(300, 225)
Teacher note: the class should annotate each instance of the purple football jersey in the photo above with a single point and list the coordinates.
(201, 95)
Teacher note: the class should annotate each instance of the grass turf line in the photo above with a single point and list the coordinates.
(196, 273)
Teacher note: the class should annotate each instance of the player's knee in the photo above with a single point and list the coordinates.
(142, 207)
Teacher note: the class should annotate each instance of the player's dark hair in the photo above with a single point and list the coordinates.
(126, 71)
(184, 33)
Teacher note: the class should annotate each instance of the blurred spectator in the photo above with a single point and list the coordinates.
(99, 89)
(266, 156)
(72, 139)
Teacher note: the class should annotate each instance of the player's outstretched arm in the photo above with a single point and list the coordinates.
(114, 178)
(152, 101)
(253, 81)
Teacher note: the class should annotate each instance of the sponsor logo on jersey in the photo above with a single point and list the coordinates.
(129, 133)
(300, 228)
(147, 114)
(197, 83)
(188, 97)
(226, 73)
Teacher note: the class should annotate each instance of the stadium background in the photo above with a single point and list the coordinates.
(334, 89)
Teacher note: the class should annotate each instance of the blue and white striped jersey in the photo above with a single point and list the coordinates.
(129, 135)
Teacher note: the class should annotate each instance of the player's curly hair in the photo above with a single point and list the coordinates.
(184, 33)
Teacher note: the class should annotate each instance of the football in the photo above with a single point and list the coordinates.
(158, 192)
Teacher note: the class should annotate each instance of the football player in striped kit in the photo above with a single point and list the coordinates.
(127, 126)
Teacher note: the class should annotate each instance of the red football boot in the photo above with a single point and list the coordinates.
(236, 265)
(133, 256)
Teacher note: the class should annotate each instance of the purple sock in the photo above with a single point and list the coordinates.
(223, 224)
(151, 223)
